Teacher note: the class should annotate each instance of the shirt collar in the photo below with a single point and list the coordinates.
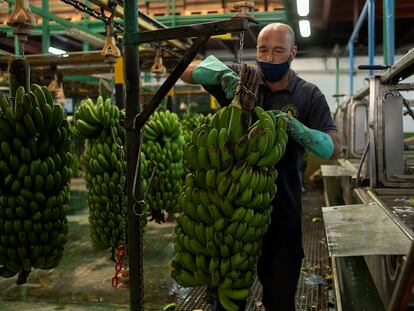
(291, 84)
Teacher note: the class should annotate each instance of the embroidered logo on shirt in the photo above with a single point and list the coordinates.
(290, 110)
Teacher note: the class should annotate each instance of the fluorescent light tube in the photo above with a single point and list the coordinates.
(302, 7)
(304, 27)
(56, 51)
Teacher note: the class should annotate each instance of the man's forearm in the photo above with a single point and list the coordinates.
(187, 74)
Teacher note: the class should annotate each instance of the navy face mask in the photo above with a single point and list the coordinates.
(273, 72)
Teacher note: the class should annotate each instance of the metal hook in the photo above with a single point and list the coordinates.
(158, 67)
(110, 50)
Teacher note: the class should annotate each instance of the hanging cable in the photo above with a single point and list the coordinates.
(361, 163)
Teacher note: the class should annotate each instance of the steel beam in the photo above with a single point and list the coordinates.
(351, 45)
(133, 172)
(371, 34)
(389, 31)
(214, 28)
(261, 17)
(45, 28)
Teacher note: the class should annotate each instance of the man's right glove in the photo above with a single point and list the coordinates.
(318, 142)
(211, 71)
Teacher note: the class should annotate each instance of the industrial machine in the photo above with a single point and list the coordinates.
(371, 235)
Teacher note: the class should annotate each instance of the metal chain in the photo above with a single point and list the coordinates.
(241, 50)
(22, 50)
(123, 203)
(98, 15)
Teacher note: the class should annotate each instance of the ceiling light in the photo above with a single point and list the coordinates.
(56, 51)
(302, 7)
(304, 27)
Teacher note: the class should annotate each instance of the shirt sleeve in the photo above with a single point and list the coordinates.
(217, 92)
(319, 117)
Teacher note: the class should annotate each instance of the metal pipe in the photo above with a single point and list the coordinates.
(136, 282)
(85, 44)
(17, 46)
(371, 34)
(45, 28)
(351, 45)
(389, 31)
(337, 70)
(351, 68)
(359, 22)
(384, 35)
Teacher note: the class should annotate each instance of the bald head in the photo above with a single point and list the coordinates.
(276, 43)
(278, 29)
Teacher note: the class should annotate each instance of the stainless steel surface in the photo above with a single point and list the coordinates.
(363, 196)
(382, 200)
(338, 299)
(351, 165)
(355, 127)
(393, 138)
(359, 129)
(372, 132)
(336, 171)
(399, 68)
(385, 129)
(362, 229)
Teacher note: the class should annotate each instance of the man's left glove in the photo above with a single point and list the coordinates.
(318, 142)
(211, 71)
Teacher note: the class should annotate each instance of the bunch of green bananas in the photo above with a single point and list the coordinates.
(104, 164)
(34, 174)
(163, 148)
(226, 202)
(191, 121)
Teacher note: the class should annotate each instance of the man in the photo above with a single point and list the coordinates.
(309, 126)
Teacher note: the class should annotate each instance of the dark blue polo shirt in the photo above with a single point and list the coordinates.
(304, 101)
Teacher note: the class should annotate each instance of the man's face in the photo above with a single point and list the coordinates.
(274, 46)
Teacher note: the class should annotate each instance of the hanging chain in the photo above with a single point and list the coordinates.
(22, 51)
(98, 15)
(241, 50)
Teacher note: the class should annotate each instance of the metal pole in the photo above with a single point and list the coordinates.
(136, 282)
(17, 46)
(371, 34)
(390, 30)
(336, 49)
(351, 68)
(351, 45)
(85, 45)
(45, 28)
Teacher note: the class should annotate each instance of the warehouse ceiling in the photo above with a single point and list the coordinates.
(332, 22)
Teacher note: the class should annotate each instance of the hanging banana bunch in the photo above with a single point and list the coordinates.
(35, 161)
(226, 202)
(190, 122)
(163, 148)
(104, 164)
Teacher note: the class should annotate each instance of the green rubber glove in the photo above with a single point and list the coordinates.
(211, 71)
(318, 142)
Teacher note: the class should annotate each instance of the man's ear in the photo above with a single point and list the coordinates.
(293, 51)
